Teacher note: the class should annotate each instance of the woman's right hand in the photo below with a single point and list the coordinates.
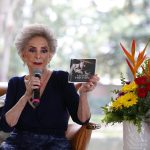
(31, 83)
(14, 113)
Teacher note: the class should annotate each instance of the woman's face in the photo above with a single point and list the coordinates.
(82, 64)
(37, 53)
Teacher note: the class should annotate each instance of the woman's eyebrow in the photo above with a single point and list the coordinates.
(32, 46)
(45, 47)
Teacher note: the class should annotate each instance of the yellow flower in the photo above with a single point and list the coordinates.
(127, 100)
(117, 104)
(129, 87)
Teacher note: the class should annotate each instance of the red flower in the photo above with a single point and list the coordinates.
(121, 93)
(141, 80)
(128, 82)
(148, 86)
(142, 92)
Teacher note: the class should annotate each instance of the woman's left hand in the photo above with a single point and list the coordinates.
(90, 85)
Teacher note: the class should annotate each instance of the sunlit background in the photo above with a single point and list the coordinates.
(84, 29)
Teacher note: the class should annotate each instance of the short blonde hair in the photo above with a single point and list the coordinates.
(30, 31)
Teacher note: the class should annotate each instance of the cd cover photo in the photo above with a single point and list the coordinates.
(81, 69)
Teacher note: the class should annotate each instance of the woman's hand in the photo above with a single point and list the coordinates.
(14, 113)
(83, 108)
(31, 84)
(90, 85)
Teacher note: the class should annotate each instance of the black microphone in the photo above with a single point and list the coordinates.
(36, 92)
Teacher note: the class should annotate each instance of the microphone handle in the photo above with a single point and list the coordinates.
(36, 94)
(36, 97)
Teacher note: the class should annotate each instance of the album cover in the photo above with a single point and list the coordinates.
(81, 70)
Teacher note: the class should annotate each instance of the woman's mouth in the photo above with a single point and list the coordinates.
(37, 63)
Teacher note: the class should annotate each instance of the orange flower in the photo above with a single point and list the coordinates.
(132, 63)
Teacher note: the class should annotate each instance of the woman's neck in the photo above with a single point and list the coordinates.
(45, 76)
(44, 80)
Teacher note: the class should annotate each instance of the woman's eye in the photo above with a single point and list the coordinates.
(44, 50)
(32, 49)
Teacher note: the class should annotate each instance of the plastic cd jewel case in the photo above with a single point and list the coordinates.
(81, 69)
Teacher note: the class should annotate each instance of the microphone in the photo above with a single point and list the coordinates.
(36, 92)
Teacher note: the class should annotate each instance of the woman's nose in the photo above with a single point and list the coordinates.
(38, 55)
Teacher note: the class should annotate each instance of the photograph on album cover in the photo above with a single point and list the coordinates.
(81, 70)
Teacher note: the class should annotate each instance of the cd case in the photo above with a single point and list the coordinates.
(81, 69)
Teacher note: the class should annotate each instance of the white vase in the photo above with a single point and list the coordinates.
(134, 140)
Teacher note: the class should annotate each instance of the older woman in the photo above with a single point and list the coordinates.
(42, 127)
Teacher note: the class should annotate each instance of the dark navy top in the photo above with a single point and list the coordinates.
(58, 100)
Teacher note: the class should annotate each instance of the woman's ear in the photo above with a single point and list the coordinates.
(22, 55)
(50, 56)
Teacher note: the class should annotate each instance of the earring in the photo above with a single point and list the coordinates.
(24, 64)
(48, 65)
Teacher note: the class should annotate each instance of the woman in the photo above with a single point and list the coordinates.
(42, 127)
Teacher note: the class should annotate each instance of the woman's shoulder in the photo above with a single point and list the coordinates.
(16, 79)
(60, 73)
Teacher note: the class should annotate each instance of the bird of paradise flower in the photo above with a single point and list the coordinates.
(131, 61)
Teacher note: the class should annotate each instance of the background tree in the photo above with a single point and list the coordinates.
(7, 29)
(83, 29)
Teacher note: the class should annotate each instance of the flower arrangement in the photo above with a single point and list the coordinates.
(132, 102)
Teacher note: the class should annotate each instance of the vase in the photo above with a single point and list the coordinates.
(134, 140)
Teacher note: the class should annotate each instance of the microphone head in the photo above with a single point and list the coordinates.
(37, 72)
